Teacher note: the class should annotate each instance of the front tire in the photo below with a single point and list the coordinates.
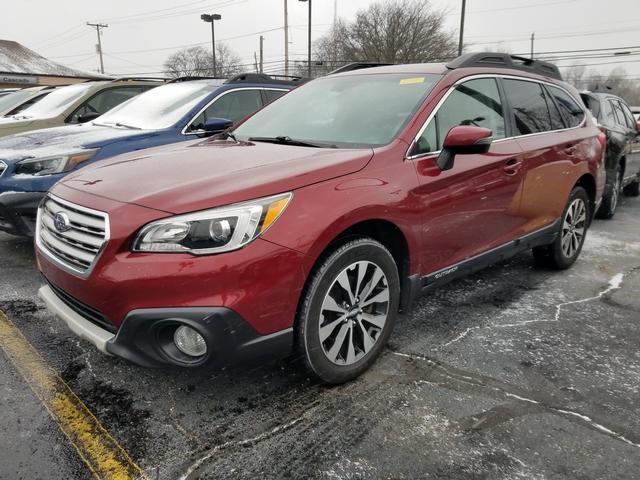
(348, 310)
(566, 248)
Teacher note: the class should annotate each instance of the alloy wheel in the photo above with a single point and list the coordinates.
(574, 227)
(354, 312)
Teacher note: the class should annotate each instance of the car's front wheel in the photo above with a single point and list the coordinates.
(348, 310)
(566, 248)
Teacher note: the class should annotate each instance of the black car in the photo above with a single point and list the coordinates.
(621, 128)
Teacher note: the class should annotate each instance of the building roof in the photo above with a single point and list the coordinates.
(18, 59)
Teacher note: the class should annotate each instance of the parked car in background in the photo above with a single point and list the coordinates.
(19, 100)
(615, 119)
(322, 215)
(76, 103)
(7, 91)
(636, 114)
(182, 110)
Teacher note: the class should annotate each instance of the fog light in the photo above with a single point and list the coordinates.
(189, 341)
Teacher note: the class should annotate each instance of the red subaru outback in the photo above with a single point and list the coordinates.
(311, 225)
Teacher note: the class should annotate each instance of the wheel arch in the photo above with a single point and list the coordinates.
(384, 231)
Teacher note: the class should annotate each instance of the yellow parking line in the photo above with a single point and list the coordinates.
(99, 451)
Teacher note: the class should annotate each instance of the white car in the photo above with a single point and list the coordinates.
(16, 101)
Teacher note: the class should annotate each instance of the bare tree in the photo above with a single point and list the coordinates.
(395, 31)
(197, 62)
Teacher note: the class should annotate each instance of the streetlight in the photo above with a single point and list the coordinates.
(309, 46)
(211, 19)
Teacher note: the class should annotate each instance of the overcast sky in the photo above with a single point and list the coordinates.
(143, 33)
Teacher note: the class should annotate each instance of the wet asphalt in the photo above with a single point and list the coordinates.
(515, 372)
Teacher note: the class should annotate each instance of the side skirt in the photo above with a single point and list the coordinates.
(544, 236)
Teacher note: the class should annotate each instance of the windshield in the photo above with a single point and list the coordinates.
(57, 101)
(159, 108)
(14, 99)
(343, 111)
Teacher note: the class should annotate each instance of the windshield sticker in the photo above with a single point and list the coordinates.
(411, 81)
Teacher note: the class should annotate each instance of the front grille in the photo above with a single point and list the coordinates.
(3, 167)
(84, 310)
(78, 247)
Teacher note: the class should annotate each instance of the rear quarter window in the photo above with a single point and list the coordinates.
(593, 104)
(571, 111)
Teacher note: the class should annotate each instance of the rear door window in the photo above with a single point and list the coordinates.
(476, 102)
(618, 113)
(571, 111)
(631, 123)
(529, 106)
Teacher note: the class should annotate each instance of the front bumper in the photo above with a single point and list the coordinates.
(145, 336)
(18, 212)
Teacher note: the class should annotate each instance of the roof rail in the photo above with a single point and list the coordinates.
(350, 67)
(138, 79)
(264, 78)
(190, 78)
(505, 60)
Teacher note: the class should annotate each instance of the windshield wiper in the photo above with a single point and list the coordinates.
(284, 140)
(124, 125)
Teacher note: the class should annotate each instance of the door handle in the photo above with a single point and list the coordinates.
(512, 166)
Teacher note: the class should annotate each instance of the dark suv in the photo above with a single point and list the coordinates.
(615, 119)
(322, 215)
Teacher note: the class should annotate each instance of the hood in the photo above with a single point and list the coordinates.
(198, 175)
(62, 140)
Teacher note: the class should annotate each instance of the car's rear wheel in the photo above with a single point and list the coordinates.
(348, 310)
(610, 201)
(566, 248)
(633, 189)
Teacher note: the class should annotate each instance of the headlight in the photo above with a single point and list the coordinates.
(54, 164)
(212, 231)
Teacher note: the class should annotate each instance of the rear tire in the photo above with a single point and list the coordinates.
(633, 189)
(348, 310)
(566, 248)
(610, 201)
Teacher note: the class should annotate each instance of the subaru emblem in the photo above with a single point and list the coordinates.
(61, 222)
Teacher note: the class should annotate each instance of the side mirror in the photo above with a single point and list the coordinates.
(463, 140)
(87, 117)
(214, 125)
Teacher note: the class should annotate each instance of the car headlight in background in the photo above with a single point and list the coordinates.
(212, 231)
(53, 164)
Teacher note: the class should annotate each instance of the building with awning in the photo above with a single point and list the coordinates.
(22, 67)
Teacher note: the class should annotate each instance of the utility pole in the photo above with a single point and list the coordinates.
(460, 43)
(255, 62)
(261, 53)
(335, 13)
(98, 26)
(309, 41)
(533, 36)
(286, 38)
